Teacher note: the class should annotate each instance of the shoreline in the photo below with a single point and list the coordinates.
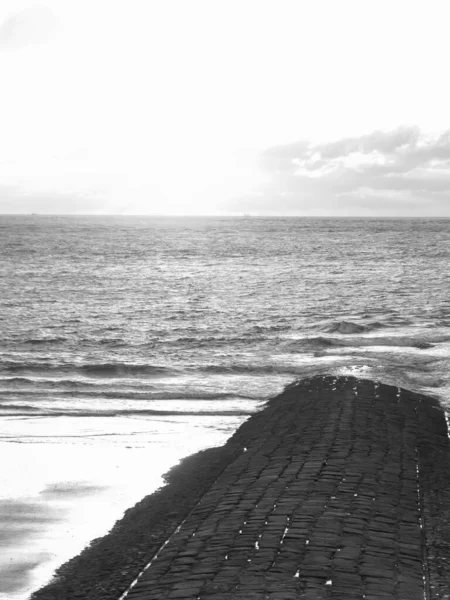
(108, 564)
(107, 567)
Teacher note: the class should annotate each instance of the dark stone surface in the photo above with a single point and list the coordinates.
(338, 489)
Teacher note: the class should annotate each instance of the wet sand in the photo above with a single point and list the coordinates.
(340, 488)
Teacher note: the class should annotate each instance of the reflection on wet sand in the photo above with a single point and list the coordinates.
(67, 490)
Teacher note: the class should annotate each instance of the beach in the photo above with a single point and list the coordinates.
(339, 488)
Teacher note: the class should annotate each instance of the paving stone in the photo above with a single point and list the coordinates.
(327, 492)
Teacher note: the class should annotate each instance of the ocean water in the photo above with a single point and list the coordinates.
(128, 343)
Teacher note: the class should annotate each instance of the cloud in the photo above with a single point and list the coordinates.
(34, 25)
(399, 172)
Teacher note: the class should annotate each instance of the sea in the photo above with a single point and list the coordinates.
(127, 343)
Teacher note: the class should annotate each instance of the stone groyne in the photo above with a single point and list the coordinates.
(340, 488)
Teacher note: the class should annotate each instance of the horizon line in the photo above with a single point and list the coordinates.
(230, 215)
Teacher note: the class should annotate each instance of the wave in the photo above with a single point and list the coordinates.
(116, 342)
(117, 370)
(19, 407)
(173, 395)
(36, 341)
(25, 410)
(224, 340)
(42, 382)
(123, 369)
(250, 369)
(419, 342)
(349, 327)
(126, 395)
(91, 370)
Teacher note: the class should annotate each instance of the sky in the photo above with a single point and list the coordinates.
(264, 107)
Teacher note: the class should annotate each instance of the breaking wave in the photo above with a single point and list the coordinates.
(420, 342)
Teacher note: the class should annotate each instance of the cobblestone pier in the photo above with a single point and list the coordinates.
(342, 490)
(339, 488)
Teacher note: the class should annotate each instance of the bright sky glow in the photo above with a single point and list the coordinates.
(164, 106)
